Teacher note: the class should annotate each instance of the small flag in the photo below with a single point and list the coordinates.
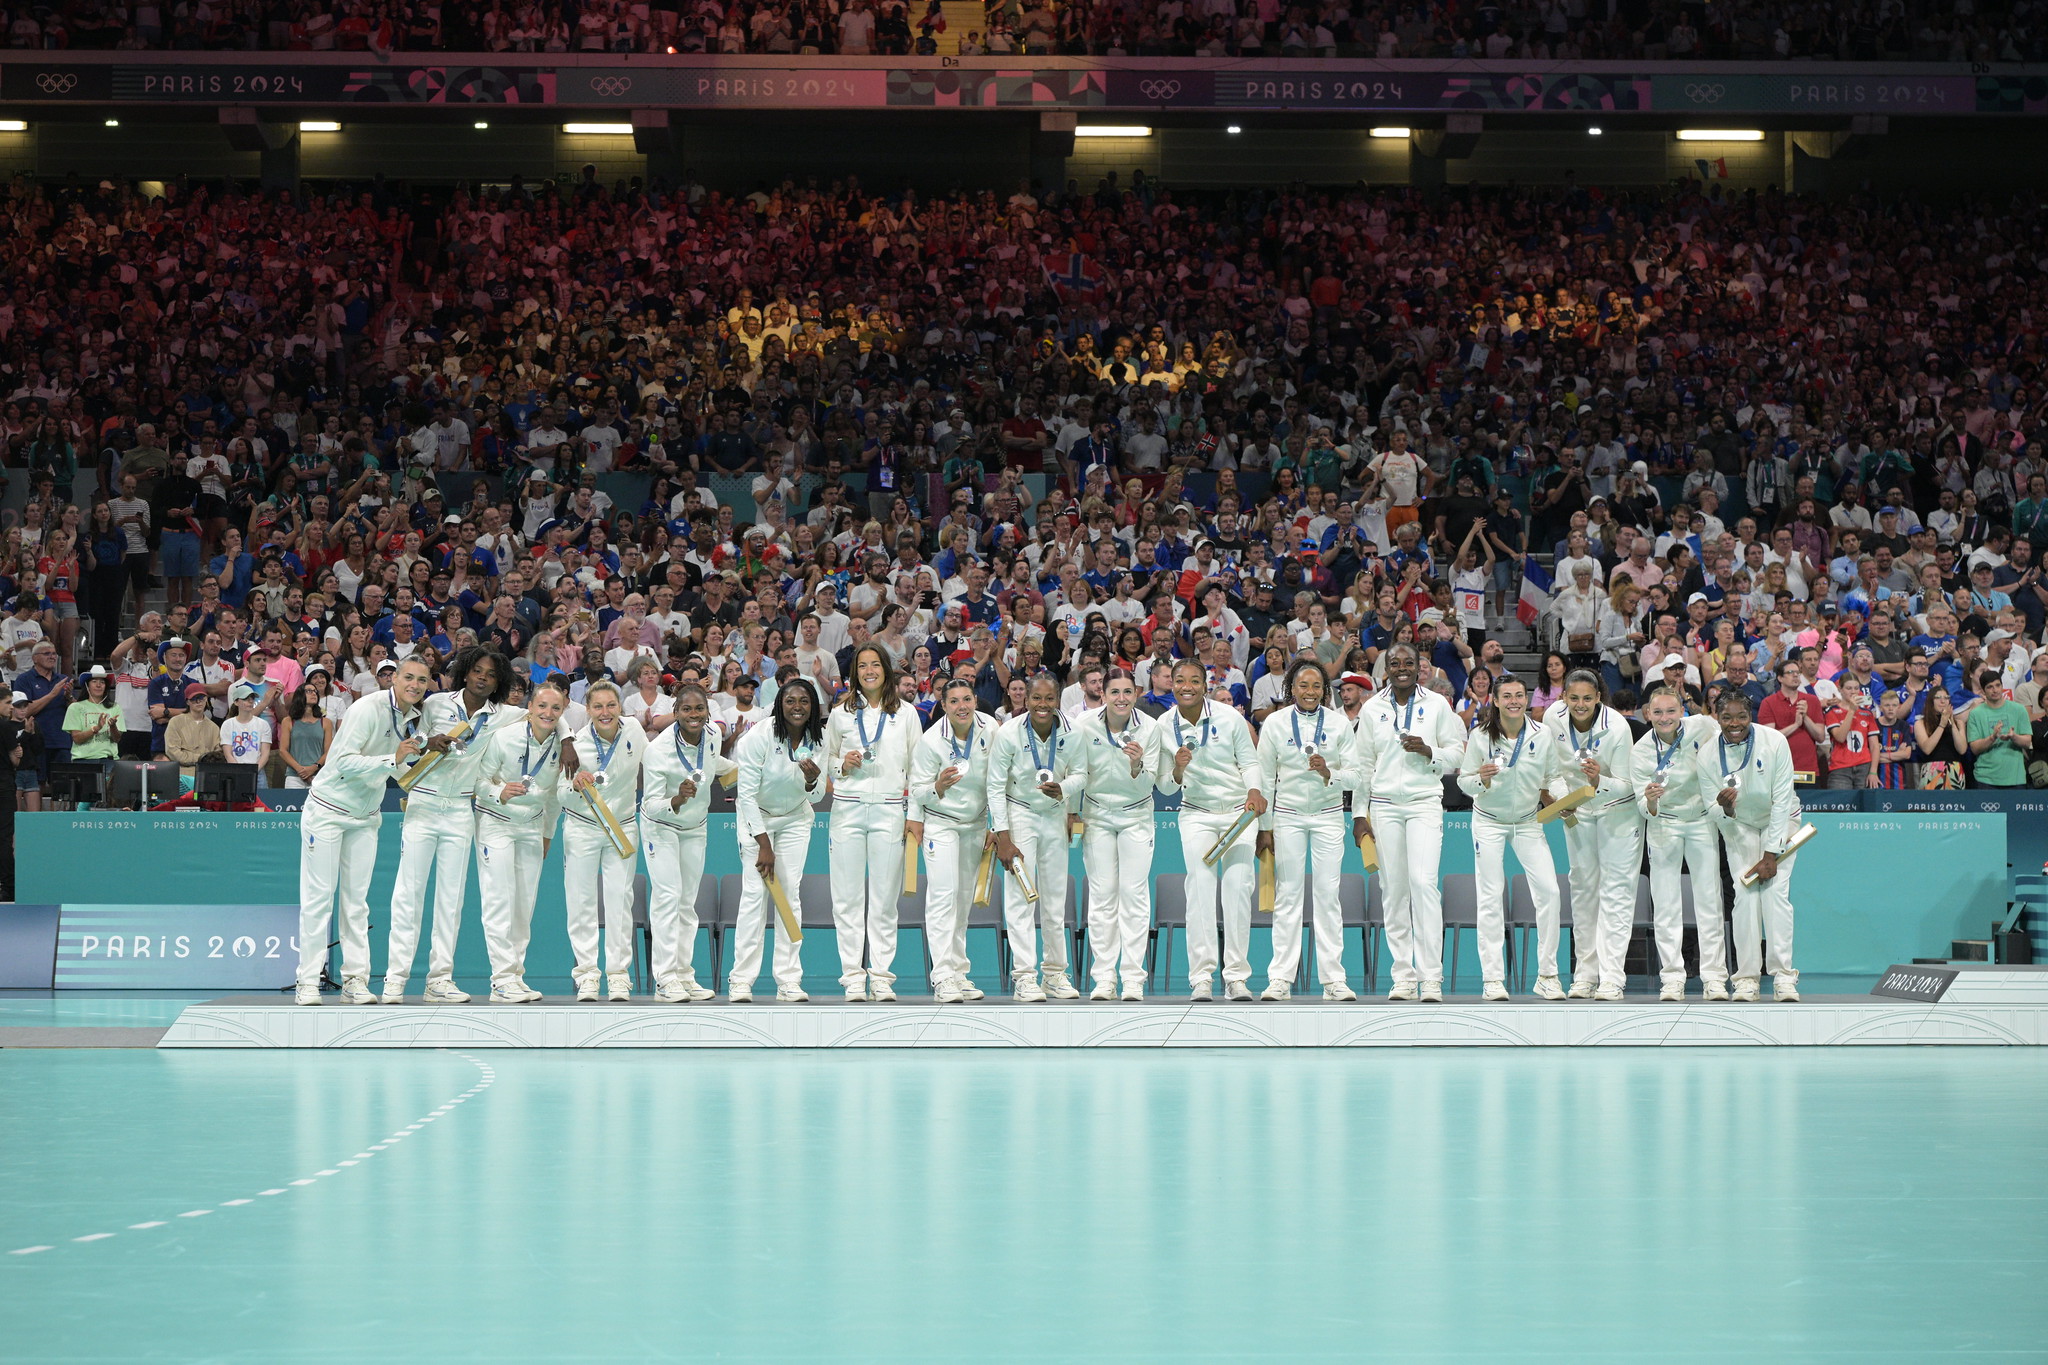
(1536, 588)
(1083, 278)
(1711, 168)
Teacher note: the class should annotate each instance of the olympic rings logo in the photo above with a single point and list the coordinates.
(56, 82)
(1159, 90)
(1705, 94)
(610, 85)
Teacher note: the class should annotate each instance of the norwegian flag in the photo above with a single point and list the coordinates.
(1083, 278)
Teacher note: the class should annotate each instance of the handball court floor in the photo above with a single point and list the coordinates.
(1799, 1204)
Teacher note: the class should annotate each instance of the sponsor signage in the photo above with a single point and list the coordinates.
(1079, 83)
(1925, 984)
(203, 947)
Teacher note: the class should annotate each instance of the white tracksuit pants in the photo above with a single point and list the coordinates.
(593, 870)
(1491, 839)
(675, 875)
(1691, 843)
(867, 880)
(1235, 879)
(1411, 843)
(952, 855)
(1762, 913)
(791, 836)
(1041, 841)
(508, 859)
(1118, 861)
(1298, 839)
(1606, 852)
(337, 856)
(435, 840)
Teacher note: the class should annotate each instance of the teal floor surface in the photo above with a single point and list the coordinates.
(1636, 1205)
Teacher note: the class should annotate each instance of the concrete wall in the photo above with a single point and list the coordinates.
(941, 150)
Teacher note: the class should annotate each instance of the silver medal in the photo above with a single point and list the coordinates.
(1309, 750)
(1044, 776)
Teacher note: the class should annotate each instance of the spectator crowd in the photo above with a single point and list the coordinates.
(1651, 30)
(265, 447)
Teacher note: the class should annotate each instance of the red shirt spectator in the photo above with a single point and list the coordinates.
(1792, 714)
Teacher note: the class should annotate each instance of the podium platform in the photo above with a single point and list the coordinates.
(1998, 1007)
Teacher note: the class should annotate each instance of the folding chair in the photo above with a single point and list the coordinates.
(1522, 918)
(1169, 912)
(1360, 902)
(707, 920)
(728, 917)
(1077, 926)
(643, 935)
(1461, 911)
(910, 915)
(1646, 915)
(990, 916)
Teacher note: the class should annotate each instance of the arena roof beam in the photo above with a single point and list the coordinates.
(1844, 144)
(1455, 141)
(248, 131)
(651, 133)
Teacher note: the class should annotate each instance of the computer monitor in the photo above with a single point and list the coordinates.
(78, 783)
(225, 784)
(133, 785)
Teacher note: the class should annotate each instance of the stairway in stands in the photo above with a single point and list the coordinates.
(962, 18)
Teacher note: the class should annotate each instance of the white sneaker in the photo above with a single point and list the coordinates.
(307, 995)
(1746, 991)
(620, 986)
(1134, 994)
(1236, 990)
(1403, 990)
(673, 991)
(857, 990)
(1608, 993)
(1715, 990)
(586, 989)
(1673, 990)
(1785, 992)
(948, 992)
(1495, 990)
(510, 993)
(1582, 988)
(1104, 990)
(1549, 988)
(1432, 992)
(1029, 992)
(970, 991)
(790, 995)
(1337, 990)
(356, 991)
(442, 991)
(1276, 990)
(1059, 987)
(881, 992)
(394, 993)
(1201, 990)
(741, 995)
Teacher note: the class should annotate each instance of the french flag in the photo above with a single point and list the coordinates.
(1536, 589)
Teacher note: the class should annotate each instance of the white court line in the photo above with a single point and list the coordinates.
(489, 1078)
